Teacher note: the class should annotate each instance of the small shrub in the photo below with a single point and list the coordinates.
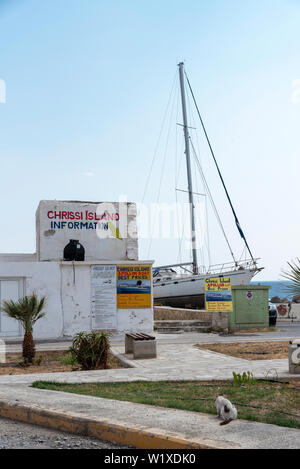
(245, 378)
(38, 361)
(24, 363)
(91, 350)
(69, 360)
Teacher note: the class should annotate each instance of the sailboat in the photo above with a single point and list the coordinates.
(182, 285)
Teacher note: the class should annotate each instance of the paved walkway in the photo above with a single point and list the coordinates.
(284, 332)
(176, 361)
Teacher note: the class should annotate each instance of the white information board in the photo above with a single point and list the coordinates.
(104, 297)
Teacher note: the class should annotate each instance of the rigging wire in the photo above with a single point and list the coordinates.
(244, 254)
(163, 166)
(180, 235)
(186, 213)
(177, 172)
(159, 138)
(218, 169)
(207, 233)
(200, 219)
(212, 200)
(203, 190)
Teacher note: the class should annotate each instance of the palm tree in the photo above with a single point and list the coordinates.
(293, 275)
(27, 310)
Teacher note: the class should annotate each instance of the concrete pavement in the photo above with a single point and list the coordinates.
(141, 425)
(174, 362)
(147, 426)
(285, 331)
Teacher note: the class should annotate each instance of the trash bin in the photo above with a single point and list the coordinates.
(294, 357)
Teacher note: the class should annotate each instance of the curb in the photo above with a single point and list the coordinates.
(125, 362)
(117, 432)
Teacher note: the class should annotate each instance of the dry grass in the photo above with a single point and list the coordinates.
(51, 362)
(251, 350)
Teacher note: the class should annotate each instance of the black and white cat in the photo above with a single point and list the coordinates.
(226, 411)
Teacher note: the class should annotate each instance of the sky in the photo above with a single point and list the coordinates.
(84, 85)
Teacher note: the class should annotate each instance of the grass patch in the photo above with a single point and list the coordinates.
(263, 401)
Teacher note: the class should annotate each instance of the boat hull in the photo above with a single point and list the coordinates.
(189, 292)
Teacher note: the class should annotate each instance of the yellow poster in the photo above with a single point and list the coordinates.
(134, 287)
(218, 295)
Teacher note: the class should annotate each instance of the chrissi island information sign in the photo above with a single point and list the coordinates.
(218, 295)
(134, 287)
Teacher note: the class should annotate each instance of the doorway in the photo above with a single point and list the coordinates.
(10, 289)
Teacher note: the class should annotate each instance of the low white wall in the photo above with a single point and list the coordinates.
(68, 292)
(77, 304)
(294, 313)
(76, 299)
(44, 279)
(135, 320)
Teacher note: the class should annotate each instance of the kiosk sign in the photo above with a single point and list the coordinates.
(134, 287)
(218, 295)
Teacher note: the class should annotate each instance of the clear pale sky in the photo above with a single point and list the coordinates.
(87, 83)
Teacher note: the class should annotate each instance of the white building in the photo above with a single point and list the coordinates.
(109, 289)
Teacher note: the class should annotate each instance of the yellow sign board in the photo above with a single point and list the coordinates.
(134, 287)
(218, 295)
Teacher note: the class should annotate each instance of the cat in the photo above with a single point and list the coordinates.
(226, 411)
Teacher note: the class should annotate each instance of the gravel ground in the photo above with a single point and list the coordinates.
(16, 435)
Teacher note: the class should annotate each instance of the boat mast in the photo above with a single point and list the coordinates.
(188, 166)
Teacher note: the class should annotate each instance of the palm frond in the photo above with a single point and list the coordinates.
(26, 310)
(293, 276)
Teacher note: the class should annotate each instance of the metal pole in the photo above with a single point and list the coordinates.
(188, 165)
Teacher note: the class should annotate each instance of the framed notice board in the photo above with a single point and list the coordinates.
(134, 287)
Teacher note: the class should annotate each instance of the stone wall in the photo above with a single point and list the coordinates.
(162, 313)
(220, 321)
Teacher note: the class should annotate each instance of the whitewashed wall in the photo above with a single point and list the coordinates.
(294, 313)
(77, 303)
(44, 279)
(55, 228)
(68, 292)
